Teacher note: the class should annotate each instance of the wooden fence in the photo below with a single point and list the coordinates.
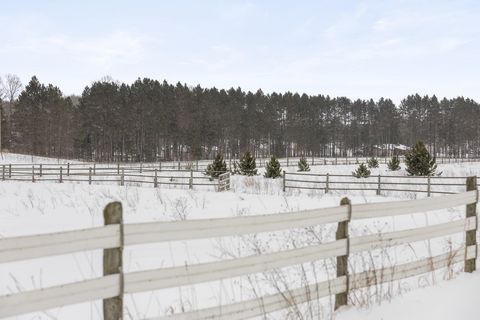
(122, 175)
(201, 165)
(115, 235)
(375, 183)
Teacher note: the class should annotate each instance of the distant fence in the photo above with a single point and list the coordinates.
(201, 165)
(121, 175)
(375, 183)
(115, 235)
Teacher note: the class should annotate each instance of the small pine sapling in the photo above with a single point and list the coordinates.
(247, 165)
(362, 171)
(419, 162)
(217, 167)
(272, 168)
(373, 163)
(394, 164)
(303, 165)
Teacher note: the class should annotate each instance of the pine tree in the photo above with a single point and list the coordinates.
(362, 171)
(272, 168)
(419, 161)
(373, 163)
(394, 164)
(216, 168)
(247, 165)
(303, 165)
(236, 168)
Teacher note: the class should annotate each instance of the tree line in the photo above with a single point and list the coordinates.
(150, 120)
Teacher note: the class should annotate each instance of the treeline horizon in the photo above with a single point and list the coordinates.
(150, 120)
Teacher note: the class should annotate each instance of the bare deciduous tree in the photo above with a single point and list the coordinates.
(11, 87)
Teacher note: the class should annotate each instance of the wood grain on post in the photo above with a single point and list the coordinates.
(471, 236)
(112, 263)
(341, 299)
(190, 181)
(379, 185)
(326, 183)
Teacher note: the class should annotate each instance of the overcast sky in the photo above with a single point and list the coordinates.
(359, 49)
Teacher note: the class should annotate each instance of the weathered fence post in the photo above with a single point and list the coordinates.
(327, 182)
(118, 168)
(3, 172)
(190, 181)
(341, 299)
(284, 180)
(140, 167)
(90, 175)
(155, 179)
(178, 165)
(160, 166)
(122, 178)
(94, 169)
(471, 236)
(379, 185)
(113, 263)
(68, 169)
(33, 173)
(428, 186)
(9, 171)
(41, 169)
(61, 175)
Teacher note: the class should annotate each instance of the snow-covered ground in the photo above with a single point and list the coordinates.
(447, 300)
(27, 208)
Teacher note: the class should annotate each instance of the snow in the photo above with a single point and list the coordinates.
(447, 300)
(28, 208)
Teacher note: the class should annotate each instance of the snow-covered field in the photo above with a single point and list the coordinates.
(27, 208)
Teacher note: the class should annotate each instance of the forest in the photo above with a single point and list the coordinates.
(150, 120)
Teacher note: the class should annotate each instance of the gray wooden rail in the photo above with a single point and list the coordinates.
(122, 175)
(375, 183)
(115, 235)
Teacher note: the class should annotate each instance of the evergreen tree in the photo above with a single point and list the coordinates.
(247, 165)
(362, 171)
(218, 167)
(419, 161)
(303, 165)
(272, 168)
(394, 164)
(236, 168)
(373, 163)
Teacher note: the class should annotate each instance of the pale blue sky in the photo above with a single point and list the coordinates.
(359, 49)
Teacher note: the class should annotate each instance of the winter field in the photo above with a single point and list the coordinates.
(32, 208)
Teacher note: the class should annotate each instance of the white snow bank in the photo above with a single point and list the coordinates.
(447, 300)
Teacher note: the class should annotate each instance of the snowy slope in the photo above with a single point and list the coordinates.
(27, 208)
(456, 299)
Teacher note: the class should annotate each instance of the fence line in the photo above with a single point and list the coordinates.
(115, 235)
(377, 183)
(117, 174)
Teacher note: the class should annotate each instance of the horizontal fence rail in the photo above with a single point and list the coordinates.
(115, 235)
(121, 175)
(375, 183)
